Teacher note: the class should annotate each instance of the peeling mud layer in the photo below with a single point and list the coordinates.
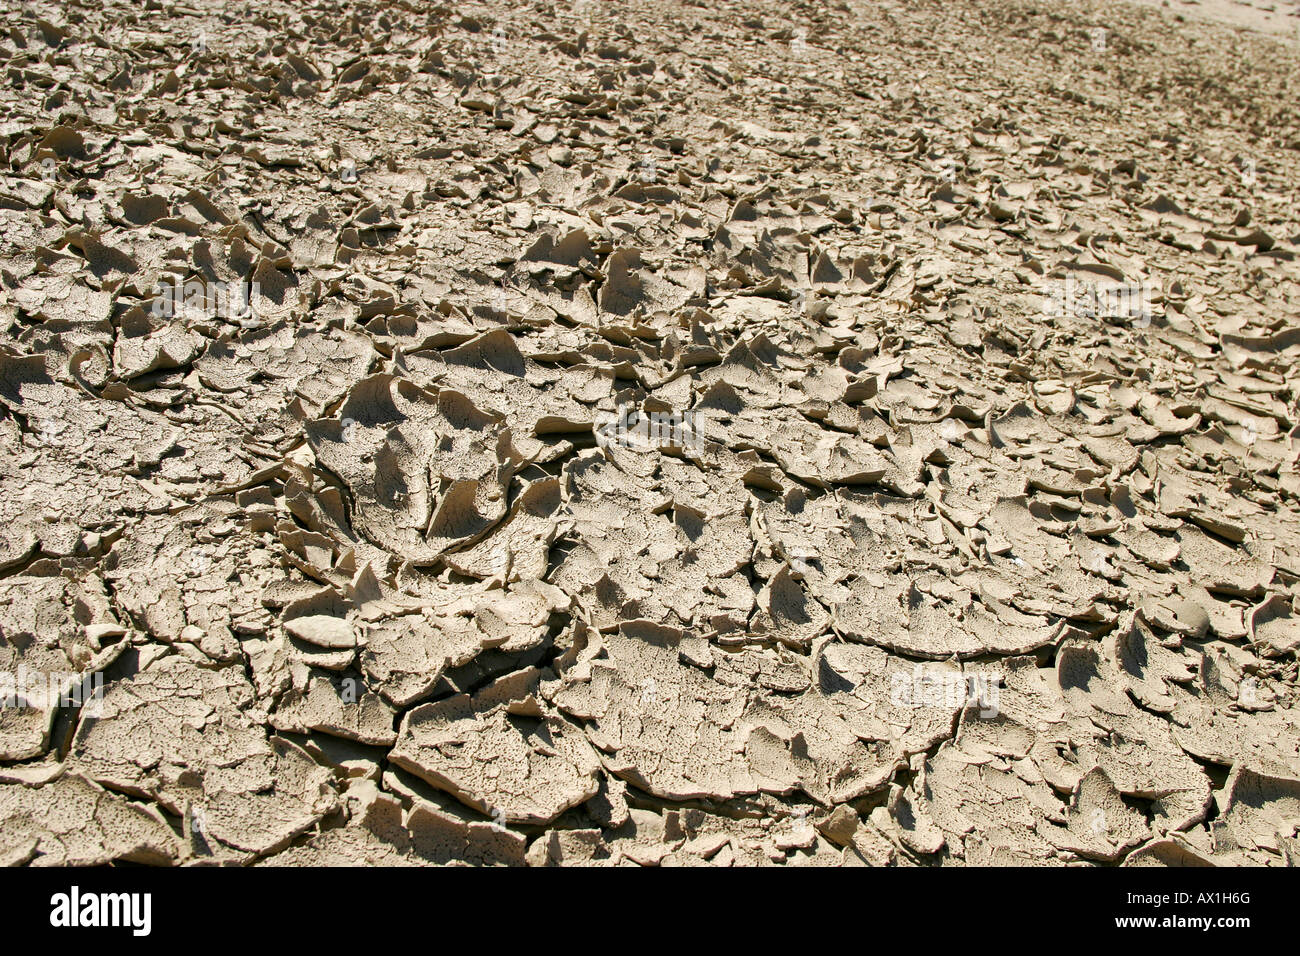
(648, 434)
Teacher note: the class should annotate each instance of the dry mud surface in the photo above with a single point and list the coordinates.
(658, 434)
(1267, 16)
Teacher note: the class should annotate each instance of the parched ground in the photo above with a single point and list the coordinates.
(968, 533)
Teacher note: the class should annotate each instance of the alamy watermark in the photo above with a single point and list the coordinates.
(41, 690)
(647, 169)
(75, 909)
(1130, 301)
(934, 687)
(198, 299)
(1248, 693)
(1249, 173)
(634, 428)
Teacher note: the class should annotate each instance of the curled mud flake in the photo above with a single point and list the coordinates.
(1169, 852)
(163, 731)
(339, 707)
(1100, 825)
(406, 660)
(266, 821)
(654, 712)
(657, 718)
(1260, 811)
(1145, 667)
(520, 548)
(788, 613)
(380, 832)
(1275, 627)
(1135, 748)
(332, 633)
(909, 617)
(142, 350)
(427, 472)
(529, 765)
(56, 639)
(570, 848)
(72, 821)
(1231, 714)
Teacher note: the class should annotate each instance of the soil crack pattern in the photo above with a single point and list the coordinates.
(593, 433)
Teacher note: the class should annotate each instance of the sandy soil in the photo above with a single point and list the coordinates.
(648, 434)
(1273, 17)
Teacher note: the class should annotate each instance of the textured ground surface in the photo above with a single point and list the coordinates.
(1277, 17)
(950, 566)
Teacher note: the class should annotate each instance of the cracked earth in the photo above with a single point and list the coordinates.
(588, 433)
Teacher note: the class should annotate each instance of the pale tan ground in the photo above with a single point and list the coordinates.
(1276, 17)
(939, 554)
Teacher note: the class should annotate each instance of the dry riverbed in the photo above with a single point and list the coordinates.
(648, 433)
